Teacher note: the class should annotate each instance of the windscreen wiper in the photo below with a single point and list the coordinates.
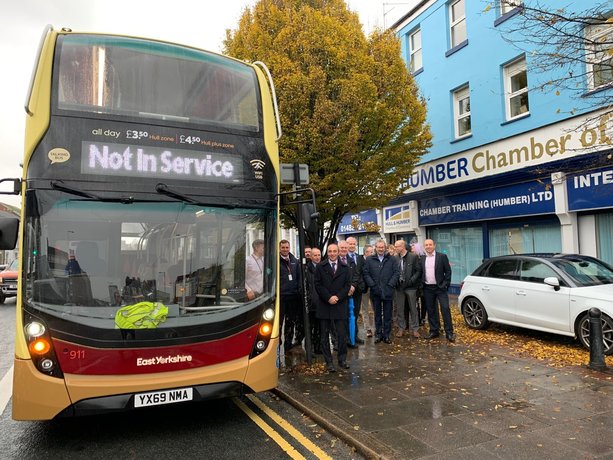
(59, 185)
(163, 189)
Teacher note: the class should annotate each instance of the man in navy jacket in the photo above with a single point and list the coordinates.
(381, 274)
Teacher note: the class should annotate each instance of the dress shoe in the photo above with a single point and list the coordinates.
(378, 339)
(359, 341)
(330, 368)
(343, 365)
(451, 337)
(387, 340)
(432, 335)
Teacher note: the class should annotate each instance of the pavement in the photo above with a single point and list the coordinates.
(420, 398)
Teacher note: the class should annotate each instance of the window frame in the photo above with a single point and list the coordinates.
(592, 35)
(459, 95)
(510, 70)
(454, 23)
(415, 51)
(506, 8)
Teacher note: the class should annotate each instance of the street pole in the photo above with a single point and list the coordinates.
(304, 297)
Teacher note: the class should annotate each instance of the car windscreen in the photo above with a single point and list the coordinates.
(584, 271)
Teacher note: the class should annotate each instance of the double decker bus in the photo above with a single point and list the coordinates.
(150, 169)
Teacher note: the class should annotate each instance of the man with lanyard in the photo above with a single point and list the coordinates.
(254, 267)
(291, 302)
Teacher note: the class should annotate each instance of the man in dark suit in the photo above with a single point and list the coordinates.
(313, 299)
(436, 280)
(357, 281)
(332, 283)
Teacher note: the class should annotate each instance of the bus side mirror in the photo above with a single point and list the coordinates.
(5, 188)
(9, 229)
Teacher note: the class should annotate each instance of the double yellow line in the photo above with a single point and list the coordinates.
(274, 435)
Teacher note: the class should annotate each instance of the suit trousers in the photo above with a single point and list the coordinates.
(326, 326)
(383, 316)
(401, 296)
(433, 295)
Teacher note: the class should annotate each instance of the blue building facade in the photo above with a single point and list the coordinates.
(514, 167)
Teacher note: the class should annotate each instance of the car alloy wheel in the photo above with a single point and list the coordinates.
(583, 332)
(474, 313)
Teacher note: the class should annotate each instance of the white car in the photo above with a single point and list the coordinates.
(545, 292)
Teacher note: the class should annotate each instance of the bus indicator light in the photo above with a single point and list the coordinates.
(40, 347)
(265, 329)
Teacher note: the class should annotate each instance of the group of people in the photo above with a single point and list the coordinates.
(390, 278)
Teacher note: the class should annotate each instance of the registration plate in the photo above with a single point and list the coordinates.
(155, 398)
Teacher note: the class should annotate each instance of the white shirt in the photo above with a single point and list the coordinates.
(254, 276)
(430, 274)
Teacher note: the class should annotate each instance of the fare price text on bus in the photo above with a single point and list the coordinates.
(157, 162)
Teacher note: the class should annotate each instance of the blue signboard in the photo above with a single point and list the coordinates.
(590, 190)
(354, 223)
(524, 199)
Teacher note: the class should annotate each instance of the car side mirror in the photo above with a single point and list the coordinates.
(553, 282)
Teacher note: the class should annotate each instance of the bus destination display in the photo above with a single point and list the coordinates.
(159, 162)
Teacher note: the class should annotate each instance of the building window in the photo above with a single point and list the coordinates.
(415, 61)
(461, 108)
(599, 53)
(516, 89)
(506, 6)
(457, 23)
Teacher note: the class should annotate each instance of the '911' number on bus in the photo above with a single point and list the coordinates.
(76, 354)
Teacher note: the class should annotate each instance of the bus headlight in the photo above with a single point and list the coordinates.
(40, 347)
(269, 314)
(34, 329)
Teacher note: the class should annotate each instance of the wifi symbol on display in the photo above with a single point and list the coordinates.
(258, 165)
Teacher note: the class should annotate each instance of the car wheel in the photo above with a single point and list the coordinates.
(2, 297)
(583, 332)
(474, 314)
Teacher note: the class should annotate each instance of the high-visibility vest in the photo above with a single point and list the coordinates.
(142, 315)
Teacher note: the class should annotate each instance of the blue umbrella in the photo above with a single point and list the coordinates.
(351, 322)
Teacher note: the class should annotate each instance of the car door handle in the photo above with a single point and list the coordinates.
(520, 293)
(485, 288)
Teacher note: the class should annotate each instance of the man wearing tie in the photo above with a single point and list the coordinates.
(357, 281)
(332, 283)
(436, 279)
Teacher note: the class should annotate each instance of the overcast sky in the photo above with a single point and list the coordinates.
(199, 23)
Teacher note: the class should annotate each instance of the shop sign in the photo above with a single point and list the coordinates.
(560, 141)
(590, 190)
(528, 198)
(357, 222)
(397, 219)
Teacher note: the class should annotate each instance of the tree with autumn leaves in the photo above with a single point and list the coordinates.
(350, 109)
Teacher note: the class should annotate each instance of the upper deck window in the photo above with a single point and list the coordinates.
(150, 79)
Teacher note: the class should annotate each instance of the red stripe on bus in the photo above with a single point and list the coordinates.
(78, 359)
